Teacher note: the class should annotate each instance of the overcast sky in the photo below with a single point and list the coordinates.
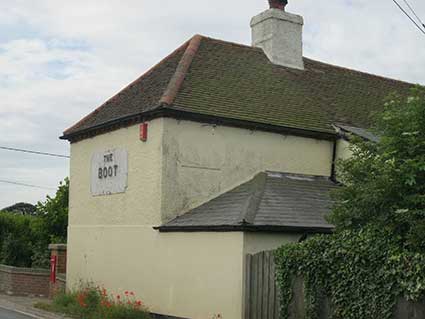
(61, 59)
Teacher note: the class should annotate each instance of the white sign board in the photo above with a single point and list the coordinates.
(109, 172)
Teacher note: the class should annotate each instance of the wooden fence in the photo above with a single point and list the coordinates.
(262, 296)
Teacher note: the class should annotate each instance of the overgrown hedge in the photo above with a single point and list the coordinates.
(377, 252)
(363, 272)
(16, 239)
(24, 239)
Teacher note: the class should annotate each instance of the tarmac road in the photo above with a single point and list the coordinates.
(7, 314)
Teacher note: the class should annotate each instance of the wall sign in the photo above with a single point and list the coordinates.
(109, 172)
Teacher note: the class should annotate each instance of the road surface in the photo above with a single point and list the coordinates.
(7, 314)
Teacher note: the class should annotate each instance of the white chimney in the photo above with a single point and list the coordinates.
(279, 34)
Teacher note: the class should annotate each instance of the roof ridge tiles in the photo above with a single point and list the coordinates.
(252, 203)
(262, 203)
(241, 45)
(343, 68)
(246, 46)
(182, 68)
(144, 75)
(208, 79)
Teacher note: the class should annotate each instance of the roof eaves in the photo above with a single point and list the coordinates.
(113, 124)
(174, 112)
(346, 132)
(69, 130)
(245, 228)
(181, 113)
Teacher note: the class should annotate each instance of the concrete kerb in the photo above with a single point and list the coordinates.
(24, 306)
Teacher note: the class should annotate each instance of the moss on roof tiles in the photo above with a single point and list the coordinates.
(238, 82)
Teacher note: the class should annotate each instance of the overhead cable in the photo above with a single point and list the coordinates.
(32, 152)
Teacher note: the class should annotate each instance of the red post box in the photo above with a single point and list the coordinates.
(53, 267)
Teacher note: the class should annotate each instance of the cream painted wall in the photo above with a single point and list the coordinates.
(342, 150)
(111, 240)
(258, 242)
(190, 275)
(140, 204)
(202, 161)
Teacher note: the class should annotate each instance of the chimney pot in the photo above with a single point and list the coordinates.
(278, 4)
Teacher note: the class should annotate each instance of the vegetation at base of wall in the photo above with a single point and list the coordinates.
(363, 272)
(377, 253)
(95, 302)
(24, 239)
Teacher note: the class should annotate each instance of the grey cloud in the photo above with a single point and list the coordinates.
(97, 47)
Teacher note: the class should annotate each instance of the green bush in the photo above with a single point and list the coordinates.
(17, 235)
(24, 239)
(363, 272)
(384, 182)
(377, 253)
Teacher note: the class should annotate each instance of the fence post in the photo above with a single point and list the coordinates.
(58, 252)
(261, 296)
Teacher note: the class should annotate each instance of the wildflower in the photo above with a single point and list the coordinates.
(81, 299)
(118, 297)
(131, 293)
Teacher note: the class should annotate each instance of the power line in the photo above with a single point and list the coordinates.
(414, 13)
(26, 185)
(32, 152)
(410, 18)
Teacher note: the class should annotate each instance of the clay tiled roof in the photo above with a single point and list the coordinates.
(270, 201)
(213, 80)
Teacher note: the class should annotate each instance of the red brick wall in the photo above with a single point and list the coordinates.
(24, 281)
(34, 282)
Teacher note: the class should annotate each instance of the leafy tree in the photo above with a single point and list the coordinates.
(377, 253)
(384, 182)
(21, 208)
(24, 239)
(16, 238)
(54, 213)
(51, 224)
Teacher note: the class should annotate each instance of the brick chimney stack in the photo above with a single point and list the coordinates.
(279, 34)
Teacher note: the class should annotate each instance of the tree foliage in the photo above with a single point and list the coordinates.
(16, 238)
(384, 182)
(54, 213)
(24, 239)
(377, 253)
(21, 208)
